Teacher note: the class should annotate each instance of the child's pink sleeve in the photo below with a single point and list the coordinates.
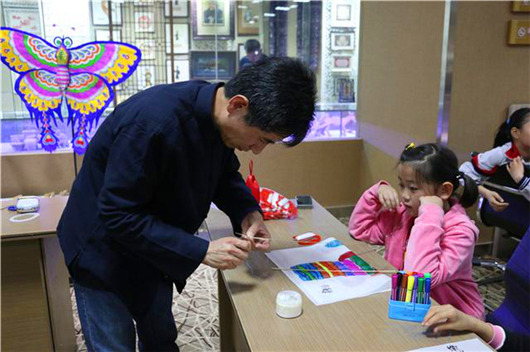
(431, 249)
(365, 223)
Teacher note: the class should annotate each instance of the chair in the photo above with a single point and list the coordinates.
(514, 312)
(512, 222)
(515, 219)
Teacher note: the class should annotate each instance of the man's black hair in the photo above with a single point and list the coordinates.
(252, 45)
(281, 93)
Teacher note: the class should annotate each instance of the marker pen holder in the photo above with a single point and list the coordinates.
(407, 310)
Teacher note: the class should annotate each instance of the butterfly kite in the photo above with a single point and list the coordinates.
(83, 76)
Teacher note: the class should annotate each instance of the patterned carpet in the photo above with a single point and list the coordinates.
(197, 315)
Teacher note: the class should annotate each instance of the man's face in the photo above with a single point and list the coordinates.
(236, 133)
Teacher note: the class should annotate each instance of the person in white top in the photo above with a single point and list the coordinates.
(511, 154)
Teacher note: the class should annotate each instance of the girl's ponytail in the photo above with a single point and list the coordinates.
(517, 119)
(503, 135)
(470, 193)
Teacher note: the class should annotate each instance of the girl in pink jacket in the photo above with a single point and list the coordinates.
(428, 230)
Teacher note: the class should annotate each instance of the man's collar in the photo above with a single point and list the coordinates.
(204, 108)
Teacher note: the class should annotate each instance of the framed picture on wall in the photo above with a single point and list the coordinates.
(343, 14)
(100, 13)
(212, 19)
(25, 19)
(182, 70)
(346, 90)
(206, 65)
(248, 17)
(143, 2)
(103, 35)
(521, 6)
(180, 38)
(342, 41)
(144, 22)
(145, 76)
(179, 7)
(341, 63)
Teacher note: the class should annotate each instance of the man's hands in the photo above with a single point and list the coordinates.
(495, 200)
(516, 169)
(447, 317)
(388, 197)
(254, 230)
(227, 253)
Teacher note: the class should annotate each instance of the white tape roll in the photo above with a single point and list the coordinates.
(289, 304)
(24, 217)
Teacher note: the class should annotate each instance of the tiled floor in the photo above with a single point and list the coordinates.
(197, 315)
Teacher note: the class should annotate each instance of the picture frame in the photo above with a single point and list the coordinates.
(147, 47)
(145, 76)
(144, 22)
(344, 14)
(100, 13)
(346, 90)
(25, 19)
(205, 65)
(519, 32)
(521, 6)
(182, 70)
(248, 17)
(341, 63)
(181, 38)
(103, 35)
(212, 19)
(342, 41)
(143, 2)
(180, 8)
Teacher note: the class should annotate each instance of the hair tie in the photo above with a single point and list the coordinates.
(460, 177)
(410, 146)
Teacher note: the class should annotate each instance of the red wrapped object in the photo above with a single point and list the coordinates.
(252, 183)
(276, 206)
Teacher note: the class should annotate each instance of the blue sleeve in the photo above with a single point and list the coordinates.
(232, 195)
(125, 212)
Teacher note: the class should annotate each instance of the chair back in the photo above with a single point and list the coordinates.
(515, 219)
(514, 312)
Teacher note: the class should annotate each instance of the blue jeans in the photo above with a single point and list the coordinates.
(107, 317)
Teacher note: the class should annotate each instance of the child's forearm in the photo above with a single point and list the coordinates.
(482, 329)
(483, 191)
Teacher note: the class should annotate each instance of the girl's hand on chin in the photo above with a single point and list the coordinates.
(432, 200)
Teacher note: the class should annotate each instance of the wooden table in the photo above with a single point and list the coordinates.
(36, 307)
(247, 304)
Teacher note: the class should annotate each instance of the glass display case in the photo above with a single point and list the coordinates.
(198, 39)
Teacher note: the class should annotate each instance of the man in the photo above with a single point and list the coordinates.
(148, 178)
(254, 54)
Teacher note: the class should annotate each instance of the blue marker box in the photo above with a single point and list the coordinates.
(407, 311)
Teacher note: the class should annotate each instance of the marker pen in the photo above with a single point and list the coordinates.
(410, 287)
(421, 288)
(415, 289)
(394, 286)
(403, 290)
(427, 290)
(398, 288)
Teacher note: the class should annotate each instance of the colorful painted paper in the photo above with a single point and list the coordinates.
(329, 272)
(82, 76)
